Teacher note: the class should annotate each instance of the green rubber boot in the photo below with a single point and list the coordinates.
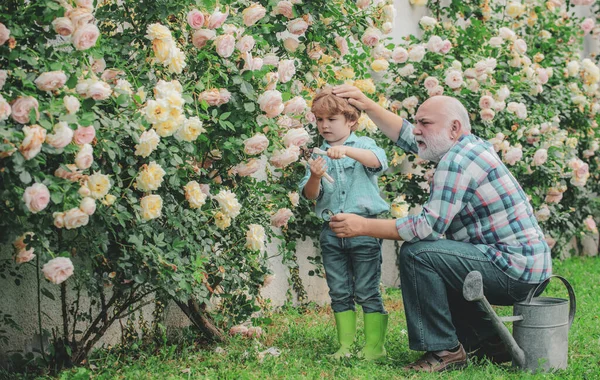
(375, 330)
(345, 323)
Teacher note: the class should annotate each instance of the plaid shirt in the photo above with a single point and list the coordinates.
(475, 199)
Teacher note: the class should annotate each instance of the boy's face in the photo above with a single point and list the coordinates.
(335, 129)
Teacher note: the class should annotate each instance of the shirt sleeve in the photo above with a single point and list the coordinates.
(451, 189)
(406, 140)
(370, 144)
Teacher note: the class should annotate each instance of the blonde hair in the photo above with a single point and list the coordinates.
(327, 104)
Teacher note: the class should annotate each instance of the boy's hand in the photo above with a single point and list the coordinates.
(318, 167)
(337, 152)
(354, 95)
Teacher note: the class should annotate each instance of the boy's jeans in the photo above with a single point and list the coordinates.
(353, 271)
(431, 277)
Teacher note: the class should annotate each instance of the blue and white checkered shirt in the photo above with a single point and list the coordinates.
(355, 190)
(475, 199)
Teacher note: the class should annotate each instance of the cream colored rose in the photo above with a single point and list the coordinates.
(271, 59)
(85, 36)
(195, 19)
(99, 90)
(22, 107)
(244, 169)
(61, 137)
(228, 203)
(507, 34)
(71, 104)
(245, 44)
(109, 200)
(513, 155)
(75, 218)
(284, 8)
(88, 205)
(540, 157)
(365, 85)
(253, 14)
(380, 65)
(284, 157)
(99, 185)
(84, 191)
(51, 80)
(194, 194)
(80, 17)
(296, 105)
(32, 143)
(296, 136)
(23, 255)
(255, 237)
(176, 62)
(36, 197)
(514, 9)
(59, 219)
(4, 34)
(416, 53)
(281, 217)
(256, 144)
(85, 157)
(169, 127)
(191, 129)
(156, 111)
(158, 32)
(271, 103)
(297, 26)
(63, 26)
(222, 220)
(371, 37)
(286, 70)
(149, 140)
(225, 44)
(5, 109)
(427, 23)
(543, 214)
(58, 270)
(216, 19)
(487, 114)
(294, 198)
(150, 177)
(87, 4)
(201, 37)
(399, 207)
(151, 207)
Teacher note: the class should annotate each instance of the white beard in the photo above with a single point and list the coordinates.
(437, 146)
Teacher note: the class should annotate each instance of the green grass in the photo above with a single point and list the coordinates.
(305, 337)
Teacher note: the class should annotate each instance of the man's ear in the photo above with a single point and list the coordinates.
(455, 129)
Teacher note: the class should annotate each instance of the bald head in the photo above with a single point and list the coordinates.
(453, 110)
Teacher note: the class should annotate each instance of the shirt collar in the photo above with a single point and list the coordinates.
(349, 141)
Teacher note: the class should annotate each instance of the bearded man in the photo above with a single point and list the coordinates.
(477, 218)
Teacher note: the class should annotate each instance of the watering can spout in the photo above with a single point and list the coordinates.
(473, 291)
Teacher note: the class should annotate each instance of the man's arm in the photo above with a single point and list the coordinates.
(350, 225)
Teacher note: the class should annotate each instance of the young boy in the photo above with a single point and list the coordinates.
(352, 265)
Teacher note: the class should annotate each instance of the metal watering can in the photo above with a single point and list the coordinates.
(541, 325)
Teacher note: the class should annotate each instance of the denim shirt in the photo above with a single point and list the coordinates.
(355, 188)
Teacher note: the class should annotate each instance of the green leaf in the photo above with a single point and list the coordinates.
(57, 197)
(225, 115)
(249, 107)
(25, 177)
(48, 294)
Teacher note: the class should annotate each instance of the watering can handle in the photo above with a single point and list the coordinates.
(572, 302)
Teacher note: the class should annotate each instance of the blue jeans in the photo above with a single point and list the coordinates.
(431, 277)
(353, 271)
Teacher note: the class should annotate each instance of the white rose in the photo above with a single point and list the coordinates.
(99, 185)
(71, 104)
(150, 177)
(194, 194)
(255, 237)
(58, 270)
(61, 137)
(85, 157)
(75, 218)
(151, 207)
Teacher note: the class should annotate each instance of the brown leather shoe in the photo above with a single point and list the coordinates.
(438, 361)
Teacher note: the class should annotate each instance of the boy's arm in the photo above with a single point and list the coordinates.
(312, 188)
(364, 156)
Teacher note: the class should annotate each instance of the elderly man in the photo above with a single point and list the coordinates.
(488, 224)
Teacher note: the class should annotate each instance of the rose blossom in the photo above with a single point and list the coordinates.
(216, 19)
(281, 217)
(244, 169)
(436, 91)
(238, 330)
(296, 105)
(61, 137)
(58, 270)
(98, 90)
(486, 101)
(434, 44)
(22, 107)
(590, 224)
(291, 44)
(85, 36)
(284, 157)
(271, 103)
(23, 254)
(256, 144)
(5, 109)
(540, 157)
(88, 205)
(297, 26)
(587, 25)
(71, 104)
(225, 45)
(446, 46)
(253, 14)
(286, 70)
(543, 214)
(371, 37)
(72, 173)
(84, 135)
(400, 55)
(487, 114)
(430, 83)
(3, 77)
(284, 8)
(99, 185)
(513, 155)
(294, 198)
(245, 44)
(454, 79)
(195, 19)
(202, 36)
(32, 143)
(85, 157)
(63, 26)
(194, 194)
(296, 136)
(151, 206)
(255, 240)
(36, 197)
(4, 34)
(150, 177)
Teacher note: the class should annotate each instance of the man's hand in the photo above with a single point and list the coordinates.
(347, 225)
(355, 96)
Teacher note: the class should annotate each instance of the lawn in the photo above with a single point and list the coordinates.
(304, 336)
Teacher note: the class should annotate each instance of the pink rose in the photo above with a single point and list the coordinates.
(51, 80)
(5, 109)
(23, 254)
(342, 45)
(72, 173)
(98, 90)
(195, 19)
(540, 157)
(85, 157)
(75, 218)
(513, 155)
(553, 195)
(58, 270)
(63, 26)
(486, 101)
(61, 137)
(80, 17)
(446, 46)
(296, 105)
(284, 8)
(245, 169)
(225, 44)
(281, 217)
(245, 44)
(224, 95)
(205, 188)
(271, 103)
(84, 135)
(284, 157)
(88, 205)
(32, 143)
(587, 25)
(36, 197)
(542, 75)
(87, 4)
(212, 97)
(437, 90)
(256, 144)
(590, 224)
(201, 37)
(85, 37)
(454, 79)
(291, 44)
(22, 107)
(399, 55)
(430, 83)
(286, 70)
(434, 44)
(216, 19)
(297, 26)
(296, 136)
(109, 75)
(371, 37)
(4, 34)
(487, 114)
(253, 14)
